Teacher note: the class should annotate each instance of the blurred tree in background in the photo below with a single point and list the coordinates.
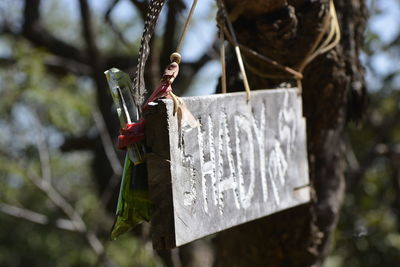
(60, 172)
(369, 229)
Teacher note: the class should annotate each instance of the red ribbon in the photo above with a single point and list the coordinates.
(132, 133)
(160, 92)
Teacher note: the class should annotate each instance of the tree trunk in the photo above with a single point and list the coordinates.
(333, 93)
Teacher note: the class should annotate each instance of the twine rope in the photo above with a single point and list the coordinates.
(330, 27)
(186, 26)
(176, 57)
(235, 43)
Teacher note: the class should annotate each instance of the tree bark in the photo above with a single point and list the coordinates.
(333, 93)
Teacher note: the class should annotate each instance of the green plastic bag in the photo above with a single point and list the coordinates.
(133, 202)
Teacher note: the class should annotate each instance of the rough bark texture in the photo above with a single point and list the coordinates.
(333, 93)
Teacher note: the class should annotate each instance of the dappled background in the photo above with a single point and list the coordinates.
(59, 168)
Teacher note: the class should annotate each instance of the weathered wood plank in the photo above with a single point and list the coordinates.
(245, 161)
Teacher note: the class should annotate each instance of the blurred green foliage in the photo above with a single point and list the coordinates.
(34, 103)
(368, 233)
(38, 110)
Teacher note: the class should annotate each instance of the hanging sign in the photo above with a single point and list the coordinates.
(244, 160)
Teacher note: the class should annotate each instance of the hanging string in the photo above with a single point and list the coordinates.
(176, 57)
(223, 62)
(332, 40)
(331, 28)
(186, 26)
(222, 9)
(295, 74)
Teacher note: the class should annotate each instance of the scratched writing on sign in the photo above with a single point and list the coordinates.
(229, 160)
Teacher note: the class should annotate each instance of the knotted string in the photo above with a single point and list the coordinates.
(134, 132)
(176, 57)
(235, 43)
(331, 28)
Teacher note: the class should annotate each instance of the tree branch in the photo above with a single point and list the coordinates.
(141, 7)
(79, 143)
(108, 19)
(55, 65)
(189, 69)
(88, 34)
(35, 217)
(123, 62)
(44, 183)
(34, 31)
(107, 142)
(65, 66)
(113, 182)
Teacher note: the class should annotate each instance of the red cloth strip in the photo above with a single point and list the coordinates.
(132, 133)
(160, 92)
